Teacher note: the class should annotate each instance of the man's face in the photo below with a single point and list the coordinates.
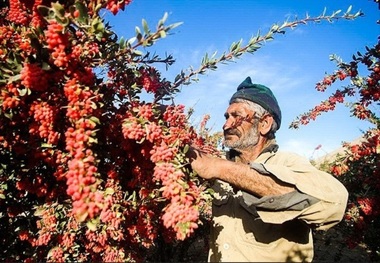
(240, 128)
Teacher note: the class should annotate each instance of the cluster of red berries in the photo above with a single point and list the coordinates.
(330, 79)
(10, 96)
(366, 147)
(45, 114)
(182, 218)
(115, 5)
(174, 115)
(150, 82)
(24, 12)
(182, 213)
(81, 100)
(57, 41)
(360, 111)
(82, 169)
(153, 132)
(47, 226)
(144, 231)
(57, 255)
(109, 216)
(12, 39)
(81, 176)
(18, 13)
(167, 138)
(97, 240)
(37, 19)
(67, 240)
(369, 205)
(145, 111)
(132, 129)
(163, 153)
(113, 254)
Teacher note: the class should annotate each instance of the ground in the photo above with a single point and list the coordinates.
(329, 246)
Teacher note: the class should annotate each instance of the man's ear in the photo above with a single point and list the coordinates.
(265, 124)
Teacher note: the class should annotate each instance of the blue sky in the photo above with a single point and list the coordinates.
(290, 65)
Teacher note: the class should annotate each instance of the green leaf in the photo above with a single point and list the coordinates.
(82, 217)
(122, 43)
(174, 25)
(45, 66)
(97, 25)
(137, 30)
(162, 34)
(58, 9)
(139, 36)
(46, 145)
(137, 52)
(23, 92)
(94, 119)
(186, 148)
(349, 9)
(97, 8)
(93, 105)
(165, 17)
(145, 26)
(43, 10)
(15, 78)
(92, 225)
(83, 14)
(9, 115)
(62, 20)
(39, 211)
(92, 140)
(324, 11)
(275, 27)
(131, 41)
(162, 20)
(109, 191)
(336, 12)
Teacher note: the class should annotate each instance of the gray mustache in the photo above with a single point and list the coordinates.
(232, 132)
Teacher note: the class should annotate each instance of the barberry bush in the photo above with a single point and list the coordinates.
(88, 170)
(358, 168)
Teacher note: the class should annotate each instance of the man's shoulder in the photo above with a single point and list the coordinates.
(288, 156)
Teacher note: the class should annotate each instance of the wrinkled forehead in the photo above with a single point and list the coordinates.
(238, 108)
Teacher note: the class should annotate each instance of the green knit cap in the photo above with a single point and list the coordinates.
(261, 95)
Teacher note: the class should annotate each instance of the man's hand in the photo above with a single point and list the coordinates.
(203, 164)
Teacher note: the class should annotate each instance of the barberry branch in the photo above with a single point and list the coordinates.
(366, 87)
(236, 49)
(128, 50)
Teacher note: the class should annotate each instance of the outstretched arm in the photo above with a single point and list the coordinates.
(239, 175)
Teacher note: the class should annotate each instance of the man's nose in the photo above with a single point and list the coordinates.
(228, 124)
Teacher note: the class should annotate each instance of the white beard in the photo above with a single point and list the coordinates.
(250, 139)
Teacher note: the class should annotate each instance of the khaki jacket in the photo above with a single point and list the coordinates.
(275, 228)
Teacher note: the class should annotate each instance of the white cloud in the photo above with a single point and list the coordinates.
(211, 94)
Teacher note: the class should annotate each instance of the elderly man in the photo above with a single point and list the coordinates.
(266, 201)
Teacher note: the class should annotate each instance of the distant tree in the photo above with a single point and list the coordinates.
(359, 167)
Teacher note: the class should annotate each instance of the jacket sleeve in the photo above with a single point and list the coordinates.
(329, 195)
